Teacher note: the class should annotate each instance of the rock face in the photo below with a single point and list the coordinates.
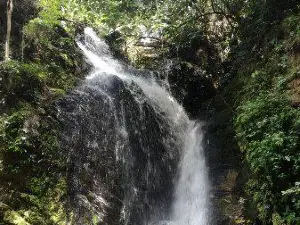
(200, 99)
(224, 159)
(117, 141)
(119, 167)
(190, 86)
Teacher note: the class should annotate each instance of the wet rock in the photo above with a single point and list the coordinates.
(117, 44)
(119, 167)
(190, 86)
(224, 159)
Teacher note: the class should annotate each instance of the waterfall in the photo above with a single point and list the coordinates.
(192, 191)
(134, 157)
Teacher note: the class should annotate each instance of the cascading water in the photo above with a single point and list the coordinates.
(191, 205)
(134, 157)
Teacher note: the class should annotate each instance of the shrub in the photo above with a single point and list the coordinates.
(268, 129)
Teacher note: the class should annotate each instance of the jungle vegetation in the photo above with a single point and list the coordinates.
(250, 49)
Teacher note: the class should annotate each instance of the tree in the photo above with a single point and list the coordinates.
(8, 31)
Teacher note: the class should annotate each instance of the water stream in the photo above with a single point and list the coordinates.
(134, 157)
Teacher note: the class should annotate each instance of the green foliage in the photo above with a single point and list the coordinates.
(31, 166)
(50, 13)
(293, 191)
(45, 209)
(14, 136)
(267, 123)
(31, 161)
(269, 132)
(276, 219)
(20, 82)
(263, 38)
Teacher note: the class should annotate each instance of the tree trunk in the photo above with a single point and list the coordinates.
(8, 31)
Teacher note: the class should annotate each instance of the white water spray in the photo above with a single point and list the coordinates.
(191, 204)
